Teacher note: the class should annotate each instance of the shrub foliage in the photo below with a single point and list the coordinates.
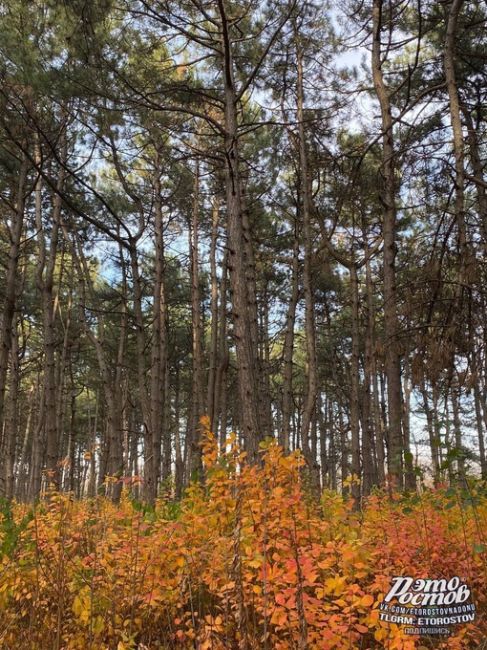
(248, 559)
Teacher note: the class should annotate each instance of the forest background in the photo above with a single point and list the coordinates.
(206, 211)
(261, 218)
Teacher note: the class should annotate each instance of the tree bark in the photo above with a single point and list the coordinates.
(213, 351)
(288, 351)
(388, 200)
(197, 392)
(371, 399)
(355, 387)
(11, 281)
(248, 379)
(480, 430)
(12, 421)
(430, 423)
(306, 208)
(159, 344)
(456, 124)
(46, 265)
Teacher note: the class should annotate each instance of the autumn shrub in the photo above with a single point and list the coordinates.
(246, 560)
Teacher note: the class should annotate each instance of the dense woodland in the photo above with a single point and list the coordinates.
(269, 214)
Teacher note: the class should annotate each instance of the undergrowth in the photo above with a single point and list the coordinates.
(246, 560)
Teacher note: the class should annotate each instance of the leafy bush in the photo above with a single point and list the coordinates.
(246, 560)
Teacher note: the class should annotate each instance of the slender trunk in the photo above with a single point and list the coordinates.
(179, 468)
(38, 446)
(12, 420)
(46, 265)
(22, 474)
(368, 449)
(344, 450)
(480, 430)
(288, 351)
(437, 425)
(265, 365)
(388, 200)
(213, 352)
(448, 440)
(371, 372)
(431, 434)
(11, 281)
(332, 455)
(355, 387)
(410, 479)
(324, 460)
(245, 346)
(159, 344)
(258, 335)
(167, 454)
(456, 124)
(457, 427)
(306, 208)
(197, 399)
(478, 172)
(223, 362)
(60, 381)
(140, 343)
(70, 483)
(92, 451)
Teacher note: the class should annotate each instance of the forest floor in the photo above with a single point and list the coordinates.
(247, 560)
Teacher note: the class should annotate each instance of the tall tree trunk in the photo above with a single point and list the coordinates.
(37, 449)
(288, 351)
(332, 455)
(457, 428)
(159, 342)
(257, 333)
(480, 430)
(388, 200)
(456, 124)
(265, 363)
(46, 265)
(355, 386)
(344, 449)
(478, 172)
(11, 281)
(309, 319)
(12, 421)
(437, 424)
(92, 450)
(21, 490)
(150, 470)
(197, 399)
(61, 387)
(371, 373)
(430, 423)
(410, 478)
(223, 360)
(179, 463)
(247, 368)
(213, 351)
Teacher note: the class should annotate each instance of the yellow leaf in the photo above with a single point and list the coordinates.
(367, 601)
(380, 635)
